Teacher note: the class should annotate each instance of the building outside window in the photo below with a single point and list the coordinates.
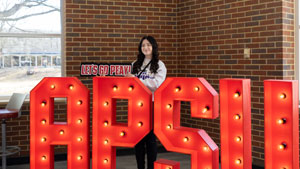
(30, 43)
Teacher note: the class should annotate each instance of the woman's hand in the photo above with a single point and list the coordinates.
(102, 75)
(129, 75)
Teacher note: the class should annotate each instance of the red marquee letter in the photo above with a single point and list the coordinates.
(166, 164)
(281, 124)
(107, 133)
(45, 133)
(204, 104)
(235, 109)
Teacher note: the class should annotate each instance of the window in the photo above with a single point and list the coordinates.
(30, 43)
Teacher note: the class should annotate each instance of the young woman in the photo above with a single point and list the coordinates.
(152, 72)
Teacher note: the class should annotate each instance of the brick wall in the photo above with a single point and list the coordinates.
(196, 38)
(212, 38)
(17, 131)
(109, 31)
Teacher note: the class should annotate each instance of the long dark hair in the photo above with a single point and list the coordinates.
(140, 57)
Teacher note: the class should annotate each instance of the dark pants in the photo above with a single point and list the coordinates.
(151, 147)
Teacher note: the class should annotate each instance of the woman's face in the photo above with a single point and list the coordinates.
(147, 48)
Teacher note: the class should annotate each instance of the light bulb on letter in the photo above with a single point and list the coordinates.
(177, 89)
(130, 88)
(205, 109)
(237, 117)
(237, 94)
(186, 139)
(282, 96)
(43, 121)
(71, 87)
(238, 161)
(61, 132)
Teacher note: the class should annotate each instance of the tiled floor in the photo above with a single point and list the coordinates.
(126, 162)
